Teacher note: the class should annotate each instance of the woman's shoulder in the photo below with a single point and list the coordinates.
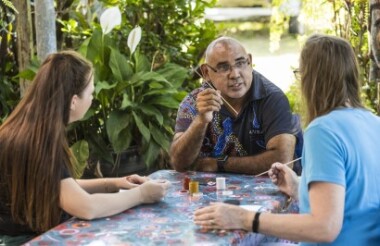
(342, 118)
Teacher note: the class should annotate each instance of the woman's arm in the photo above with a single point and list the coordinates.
(77, 202)
(109, 185)
(323, 224)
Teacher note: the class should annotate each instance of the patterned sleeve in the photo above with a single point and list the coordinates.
(186, 111)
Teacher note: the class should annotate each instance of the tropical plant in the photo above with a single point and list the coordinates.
(8, 69)
(173, 30)
(144, 86)
(349, 20)
(134, 102)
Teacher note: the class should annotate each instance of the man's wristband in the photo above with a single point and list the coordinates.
(221, 162)
(255, 223)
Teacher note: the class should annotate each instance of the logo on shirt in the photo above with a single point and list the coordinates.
(256, 127)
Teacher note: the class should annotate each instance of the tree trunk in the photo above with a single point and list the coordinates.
(45, 28)
(374, 26)
(24, 39)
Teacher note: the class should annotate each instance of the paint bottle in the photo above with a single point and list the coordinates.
(186, 182)
(193, 187)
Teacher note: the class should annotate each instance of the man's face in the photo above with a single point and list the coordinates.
(229, 69)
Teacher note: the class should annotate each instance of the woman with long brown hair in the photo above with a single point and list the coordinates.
(37, 189)
(339, 191)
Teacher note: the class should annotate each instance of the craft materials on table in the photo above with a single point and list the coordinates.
(193, 187)
(170, 222)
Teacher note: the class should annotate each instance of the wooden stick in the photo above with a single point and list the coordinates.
(290, 162)
(209, 83)
(231, 109)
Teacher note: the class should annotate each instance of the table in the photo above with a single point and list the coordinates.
(170, 222)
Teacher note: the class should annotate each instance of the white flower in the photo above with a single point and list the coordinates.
(82, 6)
(110, 18)
(134, 38)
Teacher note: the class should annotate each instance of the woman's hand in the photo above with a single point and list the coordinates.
(223, 216)
(285, 178)
(153, 190)
(129, 182)
(136, 179)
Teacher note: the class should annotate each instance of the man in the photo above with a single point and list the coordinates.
(238, 121)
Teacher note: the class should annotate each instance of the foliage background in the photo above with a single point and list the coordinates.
(174, 32)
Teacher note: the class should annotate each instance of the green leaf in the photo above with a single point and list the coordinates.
(155, 85)
(81, 153)
(30, 72)
(103, 85)
(83, 49)
(116, 123)
(168, 102)
(142, 63)
(151, 153)
(142, 127)
(164, 91)
(80, 150)
(120, 66)
(143, 77)
(180, 95)
(126, 102)
(123, 141)
(27, 74)
(174, 73)
(100, 149)
(153, 111)
(159, 137)
(95, 45)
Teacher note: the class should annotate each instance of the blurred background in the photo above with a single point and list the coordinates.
(141, 81)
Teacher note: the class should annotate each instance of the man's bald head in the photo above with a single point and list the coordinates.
(222, 42)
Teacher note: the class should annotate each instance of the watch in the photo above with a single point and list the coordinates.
(221, 162)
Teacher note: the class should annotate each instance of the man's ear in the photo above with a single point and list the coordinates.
(73, 102)
(204, 72)
(250, 58)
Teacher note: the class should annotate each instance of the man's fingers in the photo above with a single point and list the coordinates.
(209, 95)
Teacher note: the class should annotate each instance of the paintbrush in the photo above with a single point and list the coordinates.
(290, 162)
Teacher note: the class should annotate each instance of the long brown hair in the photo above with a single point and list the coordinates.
(329, 75)
(34, 153)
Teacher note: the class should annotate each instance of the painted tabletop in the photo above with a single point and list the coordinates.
(170, 222)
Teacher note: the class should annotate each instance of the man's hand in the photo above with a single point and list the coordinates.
(206, 164)
(208, 101)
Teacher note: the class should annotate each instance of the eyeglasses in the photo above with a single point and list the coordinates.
(297, 74)
(225, 68)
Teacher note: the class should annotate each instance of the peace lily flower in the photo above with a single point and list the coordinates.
(110, 18)
(134, 38)
(83, 6)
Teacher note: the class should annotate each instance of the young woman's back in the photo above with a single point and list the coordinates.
(36, 165)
